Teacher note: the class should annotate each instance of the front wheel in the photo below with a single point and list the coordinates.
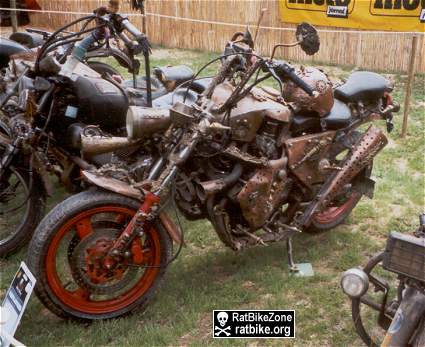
(366, 310)
(69, 245)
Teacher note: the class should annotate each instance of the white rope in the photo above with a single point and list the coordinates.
(194, 20)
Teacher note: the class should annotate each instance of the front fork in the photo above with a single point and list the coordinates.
(407, 318)
(149, 209)
(10, 152)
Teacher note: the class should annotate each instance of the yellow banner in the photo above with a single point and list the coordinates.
(393, 15)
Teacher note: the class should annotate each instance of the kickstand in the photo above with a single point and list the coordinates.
(298, 270)
(291, 263)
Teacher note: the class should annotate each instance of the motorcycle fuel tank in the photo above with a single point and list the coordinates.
(303, 103)
(248, 115)
(100, 102)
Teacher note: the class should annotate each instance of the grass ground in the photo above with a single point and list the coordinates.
(208, 276)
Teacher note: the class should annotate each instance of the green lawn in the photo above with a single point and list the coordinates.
(208, 276)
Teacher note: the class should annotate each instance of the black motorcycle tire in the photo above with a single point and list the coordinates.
(52, 224)
(36, 204)
(356, 303)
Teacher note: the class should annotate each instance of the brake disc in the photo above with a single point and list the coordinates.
(86, 263)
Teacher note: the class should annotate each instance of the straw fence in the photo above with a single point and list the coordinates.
(389, 52)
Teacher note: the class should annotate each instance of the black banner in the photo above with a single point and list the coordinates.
(253, 324)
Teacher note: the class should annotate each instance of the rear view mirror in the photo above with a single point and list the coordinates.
(308, 38)
(247, 39)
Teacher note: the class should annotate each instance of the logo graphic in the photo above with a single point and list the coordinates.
(422, 16)
(337, 11)
(222, 317)
(325, 6)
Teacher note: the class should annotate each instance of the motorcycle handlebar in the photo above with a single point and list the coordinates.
(144, 45)
(131, 29)
(285, 70)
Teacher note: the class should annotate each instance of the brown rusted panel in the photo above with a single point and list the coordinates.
(113, 185)
(362, 154)
(247, 117)
(372, 141)
(322, 104)
(171, 227)
(305, 154)
(263, 192)
(30, 56)
(281, 114)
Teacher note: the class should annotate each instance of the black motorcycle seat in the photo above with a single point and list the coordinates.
(177, 74)
(339, 117)
(168, 100)
(8, 48)
(160, 96)
(138, 96)
(141, 83)
(29, 40)
(200, 85)
(362, 85)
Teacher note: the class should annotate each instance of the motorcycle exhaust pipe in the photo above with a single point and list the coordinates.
(94, 145)
(209, 188)
(363, 152)
(143, 122)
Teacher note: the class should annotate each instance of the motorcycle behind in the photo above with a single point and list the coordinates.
(260, 164)
(388, 294)
(50, 108)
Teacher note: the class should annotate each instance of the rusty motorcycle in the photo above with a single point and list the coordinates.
(260, 164)
(49, 103)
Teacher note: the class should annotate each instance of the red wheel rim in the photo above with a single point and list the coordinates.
(79, 299)
(333, 213)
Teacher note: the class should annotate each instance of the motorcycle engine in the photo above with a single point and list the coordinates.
(266, 141)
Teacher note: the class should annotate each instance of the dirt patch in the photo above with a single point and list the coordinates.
(402, 165)
(417, 175)
(220, 274)
(397, 211)
(392, 143)
(248, 285)
(202, 332)
(419, 104)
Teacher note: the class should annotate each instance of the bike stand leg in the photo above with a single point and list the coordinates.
(297, 270)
